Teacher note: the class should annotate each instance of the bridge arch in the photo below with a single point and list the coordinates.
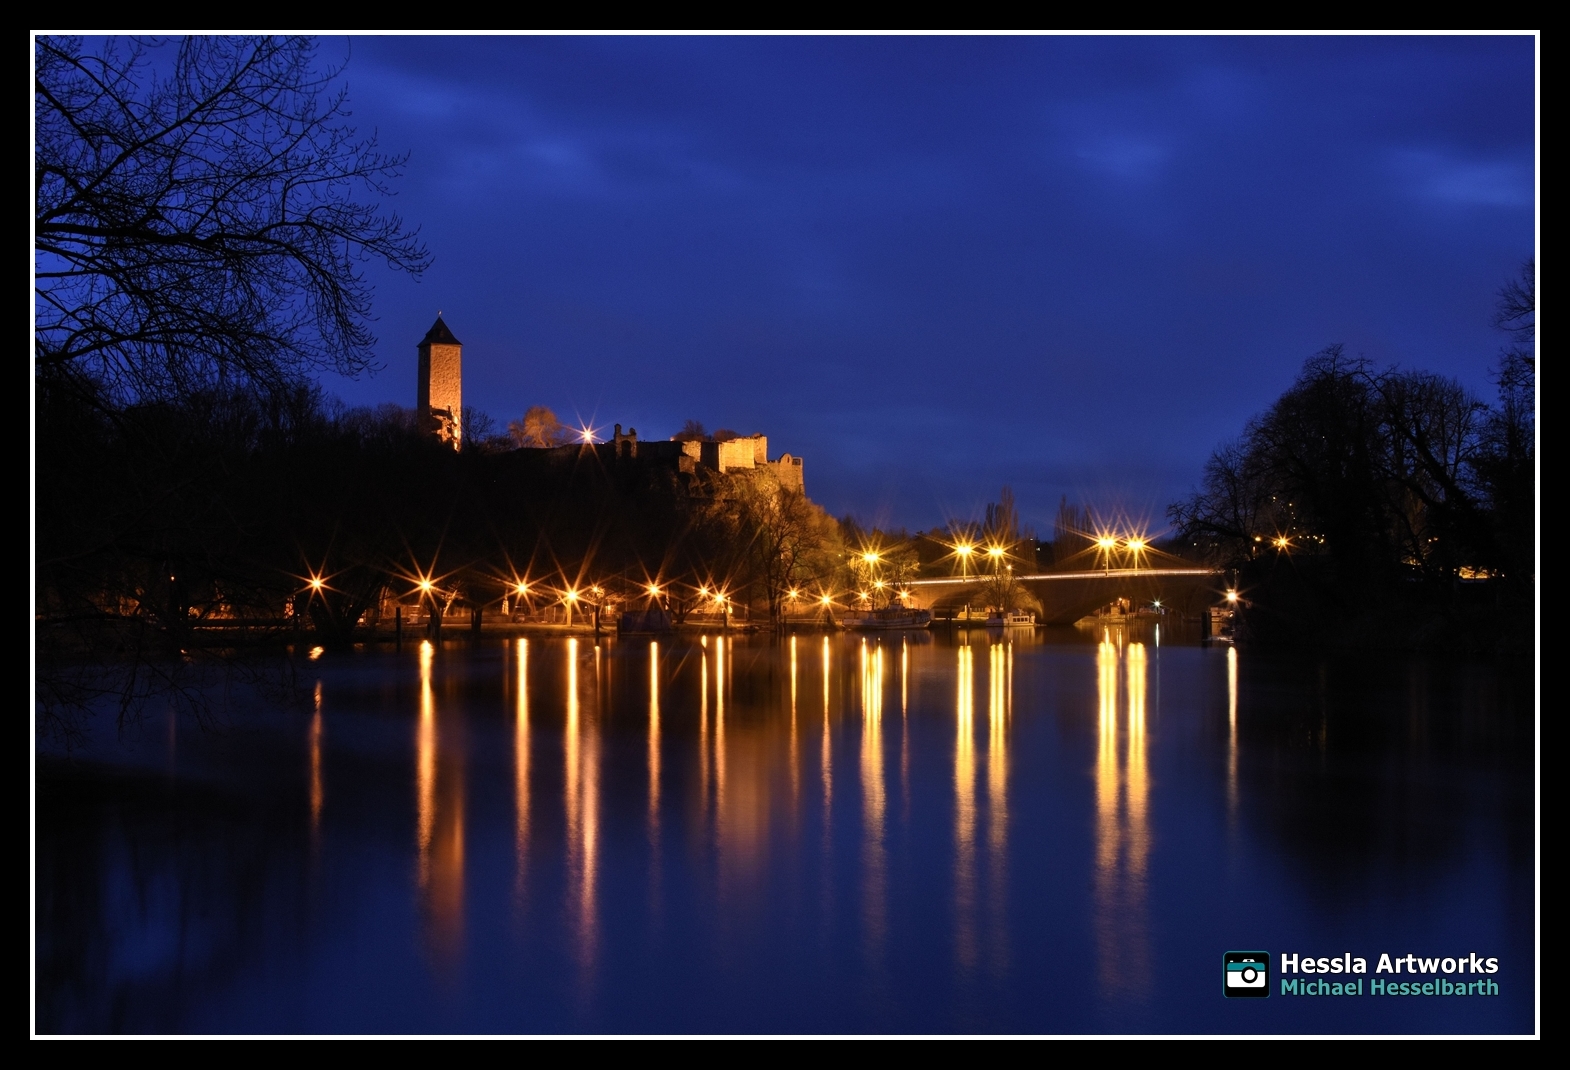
(1067, 596)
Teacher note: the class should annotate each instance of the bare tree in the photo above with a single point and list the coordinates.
(1516, 311)
(199, 218)
(1507, 465)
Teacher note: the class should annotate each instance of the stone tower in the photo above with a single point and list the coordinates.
(440, 405)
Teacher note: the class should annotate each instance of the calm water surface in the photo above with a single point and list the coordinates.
(930, 833)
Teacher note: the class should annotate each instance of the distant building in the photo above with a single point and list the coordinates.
(440, 412)
(734, 456)
(440, 403)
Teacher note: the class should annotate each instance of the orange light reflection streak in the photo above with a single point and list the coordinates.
(965, 813)
(582, 811)
(520, 746)
(873, 802)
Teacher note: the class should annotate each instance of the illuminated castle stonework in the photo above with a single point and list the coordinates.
(736, 456)
(440, 403)
(440, 412)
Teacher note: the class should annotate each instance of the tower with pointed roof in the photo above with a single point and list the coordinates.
(440, 405)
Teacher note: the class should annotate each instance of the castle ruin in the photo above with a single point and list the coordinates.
(731, 457)
(440, 412)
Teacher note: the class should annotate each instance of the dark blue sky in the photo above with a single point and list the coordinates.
(933, 266)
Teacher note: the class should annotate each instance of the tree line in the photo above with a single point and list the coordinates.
(1384, 504)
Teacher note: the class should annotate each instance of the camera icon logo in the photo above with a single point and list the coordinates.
(1247, 973)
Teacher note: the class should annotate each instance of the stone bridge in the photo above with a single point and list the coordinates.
(1067, 596)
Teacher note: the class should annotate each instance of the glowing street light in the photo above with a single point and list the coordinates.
(870, 557)
(1136, 544)
(316, 583)
(1231, 596)
(1282, 542)
(521, 588)
(654, 590)
(964, 549)
(571, 596)
(426, 586)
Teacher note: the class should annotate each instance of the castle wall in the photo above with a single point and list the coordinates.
(737, 453)
(788, 470)
(738, 456)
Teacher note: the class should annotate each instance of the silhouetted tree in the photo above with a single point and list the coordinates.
(202, 213)
(1508, 458)
(1071, 532)
(1378, 489)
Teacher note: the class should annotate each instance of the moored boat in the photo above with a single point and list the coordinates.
(891, 619)
(1011, 620)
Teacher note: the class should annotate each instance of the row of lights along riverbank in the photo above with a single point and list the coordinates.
(1108, 547)
(594, 595)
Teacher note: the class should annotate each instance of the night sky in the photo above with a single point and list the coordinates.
(933, 266)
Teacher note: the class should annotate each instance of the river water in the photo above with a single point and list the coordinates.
(1050, 832)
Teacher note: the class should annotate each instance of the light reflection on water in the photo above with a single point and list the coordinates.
(581, 799)
(873, 802)
(965, 812)
(1059, 858)
(440, 801)
(520, 778)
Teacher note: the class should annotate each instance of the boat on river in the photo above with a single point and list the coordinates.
(1011, 620)
(893, 618)
(1221, 625)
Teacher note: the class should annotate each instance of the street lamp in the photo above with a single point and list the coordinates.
(1136, 546)
(1106, 544)
(996, 554)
